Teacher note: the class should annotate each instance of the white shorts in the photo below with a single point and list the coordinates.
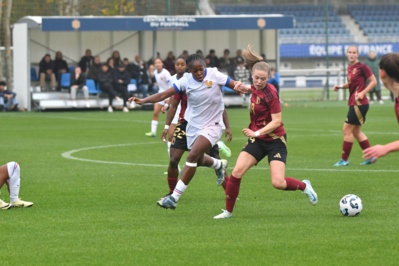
(212, 133)
(161, 103)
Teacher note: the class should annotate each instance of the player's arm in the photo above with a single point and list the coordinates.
(342, 86)
(155, 97)
(169, 117)
(226, 123)
(372, 83)
(238, 86)
(166, 106)
(269, 128)
(378, 151)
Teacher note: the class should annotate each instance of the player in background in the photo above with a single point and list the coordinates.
(10, 175)
(266, 137)
(205, 98)
(162, 77)
(181, 68)
(357, 76)
(389, 73)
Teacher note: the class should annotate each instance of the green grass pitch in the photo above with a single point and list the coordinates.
(94, 179)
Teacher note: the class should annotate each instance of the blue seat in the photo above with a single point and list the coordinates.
(91, 85)
(66, 80)
(71, 69)
(33, 74)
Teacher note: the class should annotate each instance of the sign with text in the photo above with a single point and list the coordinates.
(334, 50)
(156, 23)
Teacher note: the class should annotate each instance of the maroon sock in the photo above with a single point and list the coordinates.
(294, 184)
(232, 190)
(346, 150)
(364, 144)
(226, 179)
(172, 183)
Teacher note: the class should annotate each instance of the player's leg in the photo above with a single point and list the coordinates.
(244, 162)
(154, 121)
(277, 155)
(14, 182)
(173, 169)
(3, 180)
(361, 138)
(346, 145)
(196, 153)
(214, 152)
(363, 143)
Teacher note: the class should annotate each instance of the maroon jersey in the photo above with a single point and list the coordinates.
(357, 78)
(264, 103)
(182, 97)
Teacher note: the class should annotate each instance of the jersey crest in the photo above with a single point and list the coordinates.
(208, 83)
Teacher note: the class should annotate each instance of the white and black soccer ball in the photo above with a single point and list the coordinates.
(350, 205)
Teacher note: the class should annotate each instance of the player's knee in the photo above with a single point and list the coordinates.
(279, 184)
(173, 162)
(12, 167)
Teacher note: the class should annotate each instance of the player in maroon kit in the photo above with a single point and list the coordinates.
(357, 76)
(389, 73)
(266, 137)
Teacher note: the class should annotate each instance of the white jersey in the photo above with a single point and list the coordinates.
(162, 79)
(205, 99)
(172, 81)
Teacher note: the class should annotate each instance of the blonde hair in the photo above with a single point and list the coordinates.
(254, 61)
(352, 45)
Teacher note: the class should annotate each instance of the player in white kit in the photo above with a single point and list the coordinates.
(10, 175)
(203, 88)
(162, 76)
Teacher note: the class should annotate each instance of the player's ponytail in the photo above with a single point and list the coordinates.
(254, 61)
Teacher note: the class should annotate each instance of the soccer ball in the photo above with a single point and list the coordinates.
(350, 205)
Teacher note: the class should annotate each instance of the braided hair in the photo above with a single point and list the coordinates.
(195, 57)
(254, 61)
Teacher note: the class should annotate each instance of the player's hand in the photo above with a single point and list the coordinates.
(136, 100)
(337, 87)
(376, 151)
(359, 96)
(164, 108)
(228, 134)
(164, 135)
(249, 133)
(240, 87)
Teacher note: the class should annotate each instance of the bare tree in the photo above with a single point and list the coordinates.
(7, 43)
(1, 30)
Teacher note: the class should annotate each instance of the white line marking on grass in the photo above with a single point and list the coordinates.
(96, 119)
(68, 155)
(332, 170)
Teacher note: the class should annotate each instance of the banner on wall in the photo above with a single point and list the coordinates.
(334, 50)
(156, 23)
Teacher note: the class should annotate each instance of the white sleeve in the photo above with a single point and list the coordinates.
(181, 84)
(221, 78)
(172, 80)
